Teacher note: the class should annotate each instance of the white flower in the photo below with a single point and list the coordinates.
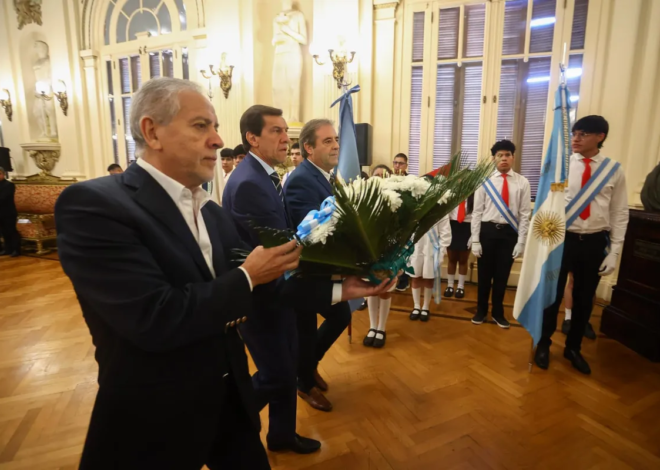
(320, 233)
(392, 198)
(415, 185)
(445, 197)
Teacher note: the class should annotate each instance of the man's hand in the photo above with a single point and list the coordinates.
(469, 243)
(476, 249)
(518, 250)
(609, 264)
(267, 264)
(354, 288)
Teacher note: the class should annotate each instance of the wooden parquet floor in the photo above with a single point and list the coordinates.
(441, 395)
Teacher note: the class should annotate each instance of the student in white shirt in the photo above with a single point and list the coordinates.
(502, 207)
(593, 240)
(227, 161)
(459, 250)
(296, 159)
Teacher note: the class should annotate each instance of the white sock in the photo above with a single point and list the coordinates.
(374, 304)
(450, 280)
(417, 297)
(568, 314)
(384, 313)
(461, 281)
(428, 293)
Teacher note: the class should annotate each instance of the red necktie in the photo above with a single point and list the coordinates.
(585, 177)
(505, 190)
(461, 212)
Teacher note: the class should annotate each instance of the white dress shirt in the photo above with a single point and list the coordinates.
(609, 209)
(227, 175)
(190, 204)
(323, 172)
(520, 203)
(336, 287)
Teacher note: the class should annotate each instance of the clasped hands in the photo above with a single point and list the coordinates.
(477, 251)
(264, 265)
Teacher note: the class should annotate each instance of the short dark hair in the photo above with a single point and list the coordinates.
(226, 153)
(114, 166)
(503, 145)
(308, 134)
(295, 145)
(239, 150)
(253, 121)
(402, 155)
(384, 167)
(593, 124)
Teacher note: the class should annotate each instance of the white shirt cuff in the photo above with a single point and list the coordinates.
(336, 293)
(248, 277)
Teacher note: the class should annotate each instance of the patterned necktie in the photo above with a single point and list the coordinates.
(461, 212)
(586, 175)
(505, 190)
(278, 185)
(332, 179)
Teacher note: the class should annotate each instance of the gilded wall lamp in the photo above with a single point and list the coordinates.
(340, 59)
(60, 93)
(5, 102)
(224, 72)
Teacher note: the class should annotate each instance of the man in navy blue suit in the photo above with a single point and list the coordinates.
(254, 197)
(305, 190)
(150, 258)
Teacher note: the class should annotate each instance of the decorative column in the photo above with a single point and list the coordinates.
(383, 79)
(95, 164)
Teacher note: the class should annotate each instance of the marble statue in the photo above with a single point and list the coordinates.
(44, 106)
(289, 35)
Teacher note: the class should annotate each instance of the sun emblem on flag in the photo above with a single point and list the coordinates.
(548, 228)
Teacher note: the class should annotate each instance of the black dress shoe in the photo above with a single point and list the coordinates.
(502, 322)
(577, 361)
(460, 293)
(566, 326)
(363, 306)
(424, 316)
(378, 342)
(479, 318)
(449, 292)
(300, 445)
(542, 357)
(414, 315)
(589, 332)
(369, 340)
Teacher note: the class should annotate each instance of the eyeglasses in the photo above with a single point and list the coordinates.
(399, 163)
(581, 135)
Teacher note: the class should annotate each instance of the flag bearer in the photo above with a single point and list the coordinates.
(596, 222)
(500, 220)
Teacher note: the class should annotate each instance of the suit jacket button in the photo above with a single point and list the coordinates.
(244, 319)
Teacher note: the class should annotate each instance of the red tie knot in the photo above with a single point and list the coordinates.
(587, 161)
(504, 175)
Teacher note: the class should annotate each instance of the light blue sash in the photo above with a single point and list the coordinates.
(501, 206)
(588, 192)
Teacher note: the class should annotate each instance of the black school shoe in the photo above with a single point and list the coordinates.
(502, 322)
(369, 340)
(424, 316)
(299, 445)
(414, 315)
(479, 318)
(460, 293)
(449, 292)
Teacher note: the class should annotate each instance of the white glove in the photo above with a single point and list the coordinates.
(476, 249)
(518, 250)
(609, 264)
(469, 243)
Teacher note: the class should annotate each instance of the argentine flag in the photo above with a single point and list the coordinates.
(537, 288)
(349, 163)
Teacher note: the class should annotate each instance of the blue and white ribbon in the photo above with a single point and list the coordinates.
(500, 205)
(315, 218)
(588, 192)
(435, 242)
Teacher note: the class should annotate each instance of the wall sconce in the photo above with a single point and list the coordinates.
(225, 73)
(339, 61)
(60, 94)
(5, 102)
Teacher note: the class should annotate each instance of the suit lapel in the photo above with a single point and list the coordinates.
(319, 176)
(152, 197)
(261, 173)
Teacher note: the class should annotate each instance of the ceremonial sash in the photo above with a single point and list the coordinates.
(588, 192)
(501, 206)
(435, 243)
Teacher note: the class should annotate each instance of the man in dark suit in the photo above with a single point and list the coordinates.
(254, 197)
(8, 215)
(149, 256)
(305, 190)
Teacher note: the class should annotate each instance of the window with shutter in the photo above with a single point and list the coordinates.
(416, 93)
